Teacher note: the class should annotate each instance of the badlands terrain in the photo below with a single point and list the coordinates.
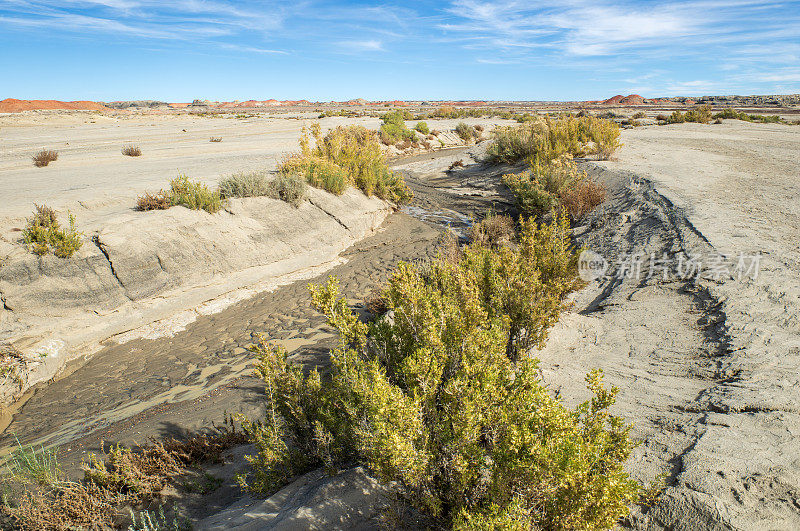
(144, 333)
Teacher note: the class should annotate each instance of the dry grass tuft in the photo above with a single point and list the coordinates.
(44, 157)
(494, 231)
(158, 201)
(375, 303)
(132, 151)
(456, 164)
(215, 139)
(583, 198)
(127, 477)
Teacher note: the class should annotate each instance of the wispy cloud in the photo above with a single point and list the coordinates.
(362, 46)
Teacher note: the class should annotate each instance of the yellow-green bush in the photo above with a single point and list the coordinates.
(346, 156)
(44, 234)
(554, 184)
(422, 127)
(194, 195)
(545, 139)
(729, 113)
(441, 397)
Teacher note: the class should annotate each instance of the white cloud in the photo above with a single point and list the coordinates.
(362, 46)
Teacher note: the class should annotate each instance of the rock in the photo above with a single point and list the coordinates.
(351, 499)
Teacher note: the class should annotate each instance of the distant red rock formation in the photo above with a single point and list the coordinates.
(14, 105)
(614, 100)
(633, 99)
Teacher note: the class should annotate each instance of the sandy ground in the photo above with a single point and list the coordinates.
(708, 367)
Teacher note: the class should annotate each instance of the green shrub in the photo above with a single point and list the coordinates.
(547, 139)
(289, 188)
(441, 398)
(733, 114)
(677, 117)
(391, 133)
(253, 184)
(194, 195)
(39, 467)
(700, 115)
(44, 234)
(346, 156)
(464, 131)
(318, 172)
(422, 127)
(554, 184)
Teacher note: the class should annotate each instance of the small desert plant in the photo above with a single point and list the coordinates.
(639, 115)
(132, 151)
(289, 188)
(456, 164)
(662, 118)
(157, 201)
(39, 467)
(194, 195)
(478, 128)
(156, 521)
(375, 303)
(546, 139)
(252, 184)
(318, 172)
(346, 156)
(582, 198)
(552, 185)
(605, 135)
(129, 477)
(729, 113)
(464, 131)
(422, 127)
(443, 400)
(44, 157)
(44, 234)
(701, 115)
(677, 117)
(215, 139)
(493, 231)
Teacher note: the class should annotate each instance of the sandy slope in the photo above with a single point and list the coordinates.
(708, 368)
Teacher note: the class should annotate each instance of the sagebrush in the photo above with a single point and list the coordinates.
(44, 157)
(441, 397)
(194, 195)
(346, 156)
(132, 151)
(545, 139)
(555, 184)
(44, 234)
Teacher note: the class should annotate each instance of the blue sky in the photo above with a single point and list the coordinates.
(336, 50)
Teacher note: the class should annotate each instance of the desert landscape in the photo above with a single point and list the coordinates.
(147, 332)
(467, 265)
